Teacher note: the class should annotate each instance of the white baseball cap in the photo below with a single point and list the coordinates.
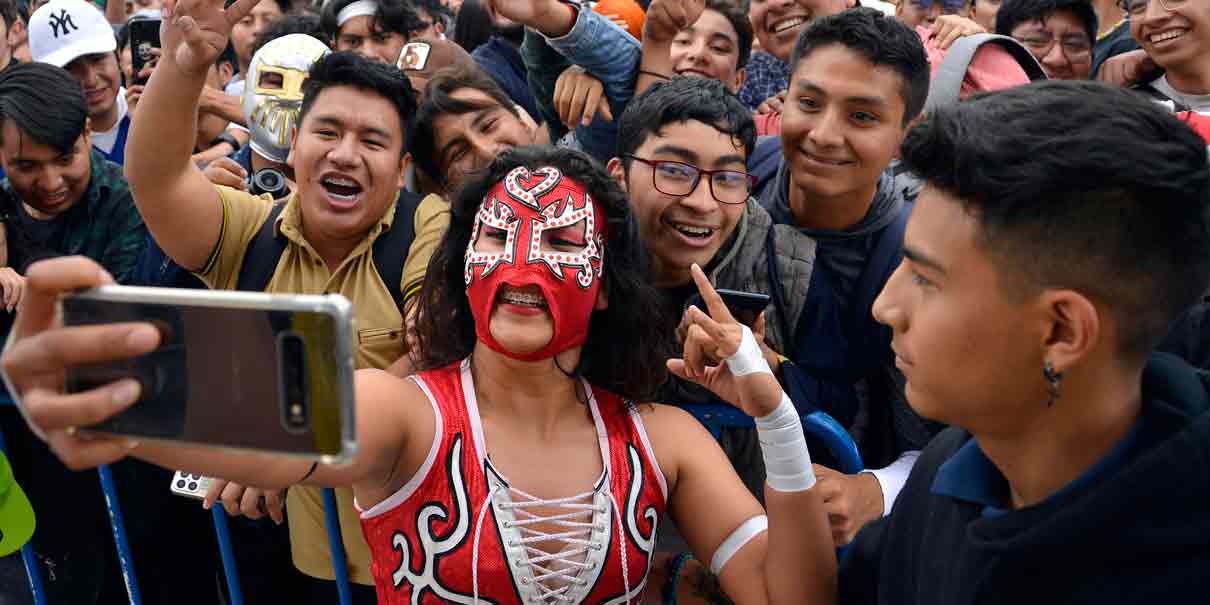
(61, 31)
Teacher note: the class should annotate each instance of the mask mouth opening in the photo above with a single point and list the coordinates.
(523, 296)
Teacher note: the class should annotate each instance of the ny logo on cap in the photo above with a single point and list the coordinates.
(62, 21)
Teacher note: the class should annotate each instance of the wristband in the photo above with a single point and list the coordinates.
(748, 358)
(784, 448)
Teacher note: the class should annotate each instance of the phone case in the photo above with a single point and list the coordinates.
(240, 370)
(190, 486)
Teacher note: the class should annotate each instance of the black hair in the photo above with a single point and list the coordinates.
(738, 17)
(285, 6)
(628, 342)
(8, 10)
(24, 89)
(682, 99)
(352, 69)
(228, 56)
(473, 26)
(435, 9)
(1015, 12)
(882, 40)
(289, 24)
(393, 16)
(1117, 208)
(438, 101)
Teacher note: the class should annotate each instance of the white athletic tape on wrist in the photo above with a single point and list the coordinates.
(784, 447)
(748, 359)
(742, 535)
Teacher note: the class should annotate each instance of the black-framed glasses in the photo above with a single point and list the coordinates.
(680, 179)
(1137, 8)
(1075, 48)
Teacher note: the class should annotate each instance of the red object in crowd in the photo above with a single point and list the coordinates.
(1200, 123)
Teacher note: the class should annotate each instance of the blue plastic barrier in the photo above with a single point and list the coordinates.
(218, 515)
(817, 423)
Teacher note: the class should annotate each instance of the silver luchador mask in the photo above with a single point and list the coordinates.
(273, 92)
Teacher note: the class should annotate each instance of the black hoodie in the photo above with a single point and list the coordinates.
(1138, 534)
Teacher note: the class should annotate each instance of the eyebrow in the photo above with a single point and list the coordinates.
(331, 121)
(811, 87)
(920, 258)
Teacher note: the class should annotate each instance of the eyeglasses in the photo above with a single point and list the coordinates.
(1075, 48)
(949, 7)
(681, 179)
(1137, 8)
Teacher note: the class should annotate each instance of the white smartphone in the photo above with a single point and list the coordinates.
(243, 370)
(190, 485)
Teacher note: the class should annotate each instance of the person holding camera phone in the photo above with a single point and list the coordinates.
(532, 361)
(344, 228)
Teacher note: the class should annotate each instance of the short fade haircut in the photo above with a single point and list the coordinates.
(24, 89)
(438, 101)
(351, 69)
(1015, 12)
(737, 16)
(880, 39)
(683, 99)
(290, 24)
(1118, 209)
(393, 16)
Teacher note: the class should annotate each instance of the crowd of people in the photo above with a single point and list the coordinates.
(983, 229)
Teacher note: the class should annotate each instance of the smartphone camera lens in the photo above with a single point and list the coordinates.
(292, 362)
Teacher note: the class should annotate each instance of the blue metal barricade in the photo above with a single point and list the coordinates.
(817, 423)
(222, 531)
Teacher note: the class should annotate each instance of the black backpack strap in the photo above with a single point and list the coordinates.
(391, 248)
(262, 254)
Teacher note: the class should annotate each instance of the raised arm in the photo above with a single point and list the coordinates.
(665, 19)
(180, 207)
(794, 561)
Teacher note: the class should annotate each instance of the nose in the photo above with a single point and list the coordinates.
(485, 149)
(886, 310)
(344, 152)
(700, 199)
(826, 131)
(1054, 58)
(51, 180)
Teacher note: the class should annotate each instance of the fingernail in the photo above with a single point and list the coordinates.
(125, 392)
(142, 338)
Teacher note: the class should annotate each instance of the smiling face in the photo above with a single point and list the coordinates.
(777, 23)
(915, 12)
(1059, 43)
(679, 231)
(244, 31)
(363, 36)
(959, 340)
(47, 181)
(709, 49)
(347, 162)
(466, 143)
(841, 123)
(1177, 40)
(100, 78)
(984, 12)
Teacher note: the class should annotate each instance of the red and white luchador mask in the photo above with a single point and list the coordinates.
(523, 206)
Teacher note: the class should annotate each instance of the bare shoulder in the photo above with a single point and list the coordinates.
(675, 437)
(381, 395)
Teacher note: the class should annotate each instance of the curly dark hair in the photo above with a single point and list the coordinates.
(628, 342)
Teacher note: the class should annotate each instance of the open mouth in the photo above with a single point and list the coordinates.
(695, 73)
(54, 199)
(1165, 36)
(528, 297)
(341, 188)
(690, 232)
(787, 24)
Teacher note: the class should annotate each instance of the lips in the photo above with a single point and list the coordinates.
(1166, 35)
(820, 160)
(694, 73)
(96, 96)
(55, 199)
(691, 234)
(527, 300)
(341, 190)
(782, 25)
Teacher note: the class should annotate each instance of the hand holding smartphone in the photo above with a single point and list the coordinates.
(251, 371)
(745, 307)
(144, 36)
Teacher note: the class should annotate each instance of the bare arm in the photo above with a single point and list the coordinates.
(181, 208)
(223, 105)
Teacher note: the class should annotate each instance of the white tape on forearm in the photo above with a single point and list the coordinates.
(742, 535)
(748, 359)
(784, 447)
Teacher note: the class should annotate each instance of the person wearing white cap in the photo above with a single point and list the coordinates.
(76, 36)
(374, 30)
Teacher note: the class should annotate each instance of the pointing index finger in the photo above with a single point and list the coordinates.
(714, 302)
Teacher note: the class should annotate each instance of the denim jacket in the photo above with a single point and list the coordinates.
(604, 50)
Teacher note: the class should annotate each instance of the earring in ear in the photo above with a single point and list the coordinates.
(1054, 382)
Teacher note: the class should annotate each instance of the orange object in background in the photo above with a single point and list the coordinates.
(628, 10)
